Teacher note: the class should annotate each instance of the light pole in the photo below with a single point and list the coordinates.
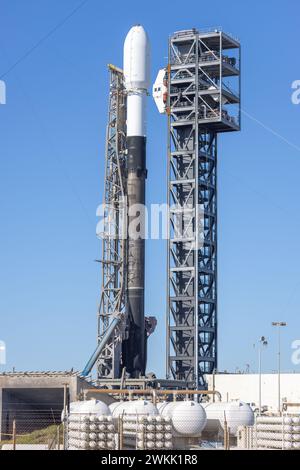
(278, 325)
(262, 342)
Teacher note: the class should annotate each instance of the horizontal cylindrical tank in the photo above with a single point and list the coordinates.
(130, 409)
(96, 407)
(118, 409)
(142, 407)
(236, 413)
(272, 444)
(274, 427)
(88, 407)
(269, 435)
(274, 419)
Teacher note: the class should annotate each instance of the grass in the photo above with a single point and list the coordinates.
(41, 436)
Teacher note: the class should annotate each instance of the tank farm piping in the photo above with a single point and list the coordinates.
(152, 392)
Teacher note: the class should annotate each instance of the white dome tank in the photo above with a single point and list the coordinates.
(113, 406)
(188, 417)
(142, 407)
(119, 408)
(161, 405)
(237, 414)
(167, 409)
(74, 408)
(94, 407)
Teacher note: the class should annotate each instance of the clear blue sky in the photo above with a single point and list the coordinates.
(52, 169)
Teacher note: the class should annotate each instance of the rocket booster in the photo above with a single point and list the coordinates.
(137, 78)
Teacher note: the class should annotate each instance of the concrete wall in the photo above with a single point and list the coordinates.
(245, 387)
(36, 400)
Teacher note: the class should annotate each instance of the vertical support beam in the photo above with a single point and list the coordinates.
(197, 216)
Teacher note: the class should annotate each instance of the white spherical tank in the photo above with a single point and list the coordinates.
(236, 413)
(188, 418)
(137, 59)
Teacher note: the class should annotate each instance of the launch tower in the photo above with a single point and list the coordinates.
(202, 83)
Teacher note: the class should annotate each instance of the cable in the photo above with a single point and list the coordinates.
(44, 38)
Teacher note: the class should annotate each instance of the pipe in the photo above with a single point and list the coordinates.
(152, 392)
(92, 361)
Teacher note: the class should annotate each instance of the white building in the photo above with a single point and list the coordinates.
(245, 387)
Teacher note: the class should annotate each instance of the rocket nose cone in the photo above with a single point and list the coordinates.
(137, 58)
(137, 28)
(137, 37)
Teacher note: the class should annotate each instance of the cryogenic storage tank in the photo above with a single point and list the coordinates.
(237, 414)
(75, 407)
(188, 417)
(89, 426)
(142, 407)
(161, 405)
(118, 409)
(113, 406)
(135, 407)
(167, 408)
(96, 407)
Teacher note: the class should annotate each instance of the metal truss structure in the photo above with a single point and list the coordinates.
(113, 231)
(200, 105)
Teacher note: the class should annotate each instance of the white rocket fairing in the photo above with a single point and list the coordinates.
(137, 78)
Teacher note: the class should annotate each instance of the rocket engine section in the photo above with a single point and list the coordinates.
(137, 78)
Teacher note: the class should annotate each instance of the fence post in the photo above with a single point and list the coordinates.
(65, 415)
(120, 429)
(58, 438)
(14, 434)
(228, 438)
(225, 433)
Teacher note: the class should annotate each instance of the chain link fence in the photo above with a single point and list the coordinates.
(39, 429)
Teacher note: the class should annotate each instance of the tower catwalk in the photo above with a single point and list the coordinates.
(200, 104)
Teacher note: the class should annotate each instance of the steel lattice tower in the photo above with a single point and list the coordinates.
(200, 105)
(113, 235)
